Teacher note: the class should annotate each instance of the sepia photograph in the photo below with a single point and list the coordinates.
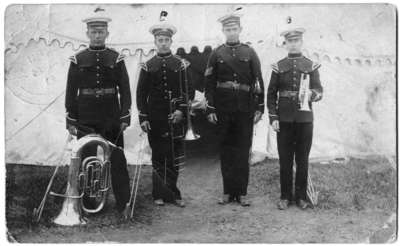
(200, 123)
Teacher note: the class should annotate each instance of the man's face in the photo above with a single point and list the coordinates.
(294, 45)
(232, 32)
(163, 43)
(97, 35)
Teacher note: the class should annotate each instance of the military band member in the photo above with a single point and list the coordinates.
(232, 71)
(294, 127)
(98, 100)
(161, 79)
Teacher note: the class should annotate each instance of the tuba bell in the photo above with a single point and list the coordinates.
(88, 181)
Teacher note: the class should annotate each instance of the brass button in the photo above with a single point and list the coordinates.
(164, 65)
(294, 72)
(97, 54)
(294, 65)
(164, 77)
(235, 74)
(164, 71)
(294, 61)
(233, 55)
(98, 67)
(98, 60)
(97, 75)
(97, 96)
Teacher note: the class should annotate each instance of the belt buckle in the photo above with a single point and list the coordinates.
(235, 86)
(294, 95)
(99, 92)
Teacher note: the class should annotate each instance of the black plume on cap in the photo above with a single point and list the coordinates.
(163, 15)
(98, 9)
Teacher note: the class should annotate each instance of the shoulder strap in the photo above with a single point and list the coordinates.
(275, 67)
(143, 66)
(73, 59)
(120, 58)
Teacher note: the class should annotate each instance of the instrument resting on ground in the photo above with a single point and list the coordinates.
(88, 181)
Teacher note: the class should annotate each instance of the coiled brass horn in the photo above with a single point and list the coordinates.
(88, 181)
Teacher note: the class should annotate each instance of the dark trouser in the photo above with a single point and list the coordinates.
(119, 170)
(294, 143)
(165, 169)
(235, 131)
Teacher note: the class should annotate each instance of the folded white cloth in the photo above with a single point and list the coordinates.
(199, 101)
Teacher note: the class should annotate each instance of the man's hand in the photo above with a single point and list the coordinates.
(145, 126)
(257, 116)
(212, 118)
(315, 96)
(72, 130)
(310, 95)
(124, 125)
(275, 125)
(176, 117)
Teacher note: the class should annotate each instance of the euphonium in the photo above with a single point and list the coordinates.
(88, 181)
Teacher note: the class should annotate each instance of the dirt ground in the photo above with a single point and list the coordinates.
(356, 199)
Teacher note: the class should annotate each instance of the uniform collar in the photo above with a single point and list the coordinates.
(164, 55)
(99, 48)
(234, 44)
(296, 55)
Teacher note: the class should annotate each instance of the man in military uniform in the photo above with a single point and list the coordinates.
(294, 127)
(161, 103)
(98, 100)
(233, 70)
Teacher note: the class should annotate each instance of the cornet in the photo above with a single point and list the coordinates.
(304, 92)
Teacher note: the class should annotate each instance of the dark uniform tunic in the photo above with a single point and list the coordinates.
(162, 74)
(98, 99)
(296, 127)
(230, 79)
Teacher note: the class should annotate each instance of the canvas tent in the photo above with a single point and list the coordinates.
(356, 45)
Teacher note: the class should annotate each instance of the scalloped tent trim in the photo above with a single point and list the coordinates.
(383, 60)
